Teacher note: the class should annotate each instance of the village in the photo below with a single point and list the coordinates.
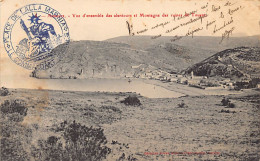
(202, 82)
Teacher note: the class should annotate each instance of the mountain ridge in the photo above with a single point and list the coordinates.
(113, 59)
(240, 62)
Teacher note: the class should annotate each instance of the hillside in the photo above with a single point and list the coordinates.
(114, 58)
(239, 62)
(102, 59)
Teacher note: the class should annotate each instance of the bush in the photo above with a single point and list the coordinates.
(14, 106)
(4, 91)
(227, 111)
(231, 105)
(182, 105)
(50, 149)
(14, 138)
(225, 101)
(212, 84)
(131, 101)
(80, 143)
(12, 150)
(110, 108)
(245, 85)
(15, 117)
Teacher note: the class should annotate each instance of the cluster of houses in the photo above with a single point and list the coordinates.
(150, 72)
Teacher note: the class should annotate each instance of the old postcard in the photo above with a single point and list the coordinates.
(128, 80)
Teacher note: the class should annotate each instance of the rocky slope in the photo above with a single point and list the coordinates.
(239, 62)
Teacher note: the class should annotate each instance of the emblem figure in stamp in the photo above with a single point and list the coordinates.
(41, 34)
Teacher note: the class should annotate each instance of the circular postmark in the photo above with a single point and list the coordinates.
(36, 36)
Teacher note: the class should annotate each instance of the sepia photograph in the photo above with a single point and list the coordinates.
(129, 80)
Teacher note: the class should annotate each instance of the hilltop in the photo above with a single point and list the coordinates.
(241, 62)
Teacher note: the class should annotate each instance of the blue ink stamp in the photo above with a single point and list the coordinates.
(35, 36)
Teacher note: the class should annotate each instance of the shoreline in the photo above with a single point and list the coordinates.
(189, 91)
(179, 89)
